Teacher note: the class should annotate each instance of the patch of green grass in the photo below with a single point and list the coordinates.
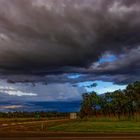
(136, 118)
(92, 126)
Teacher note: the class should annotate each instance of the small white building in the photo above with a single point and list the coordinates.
(73, 116)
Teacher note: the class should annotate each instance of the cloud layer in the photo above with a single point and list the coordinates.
(51, 92)
(43, 37)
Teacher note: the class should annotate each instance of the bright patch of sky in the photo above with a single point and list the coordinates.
(107, 58)
(101, 87)
(74, 76)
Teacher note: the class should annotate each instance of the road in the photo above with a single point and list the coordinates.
(77, 138)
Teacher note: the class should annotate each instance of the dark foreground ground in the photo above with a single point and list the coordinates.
(70, 136)
(77, 137)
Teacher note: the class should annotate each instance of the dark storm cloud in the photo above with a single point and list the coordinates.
(52, 37)
(125, 69)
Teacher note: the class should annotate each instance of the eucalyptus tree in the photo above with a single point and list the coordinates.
(132, 93)
(95, 102)
(119, 102)
(89, 104)
(85, 106)
(136, 87)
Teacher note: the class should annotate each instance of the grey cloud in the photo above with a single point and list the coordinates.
(125, 69)
(39, 34)
(43, 37)
(126, 63)
(7, 97)
(51, 92)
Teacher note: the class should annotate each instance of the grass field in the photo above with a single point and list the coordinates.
(94, 125)
(91, 126)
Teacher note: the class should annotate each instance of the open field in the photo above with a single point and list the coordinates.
(101, 125)
(96, 126)
(65, 129)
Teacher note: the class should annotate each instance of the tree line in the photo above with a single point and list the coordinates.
(118, 103)
(37, 114)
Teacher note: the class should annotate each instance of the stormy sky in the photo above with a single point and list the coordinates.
(45, 44)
